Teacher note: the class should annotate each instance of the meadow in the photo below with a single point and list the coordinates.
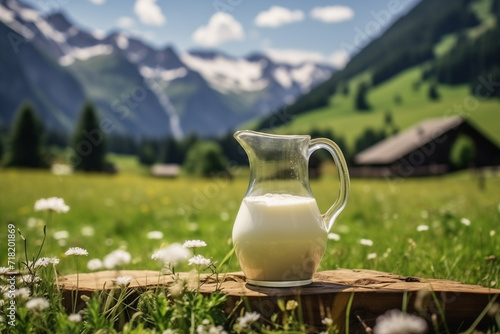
(405, 97)
(444, 227)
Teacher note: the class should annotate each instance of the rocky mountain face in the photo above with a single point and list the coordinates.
(138, 90)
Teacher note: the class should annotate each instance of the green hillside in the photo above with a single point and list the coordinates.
(452, 45)
(413, 106)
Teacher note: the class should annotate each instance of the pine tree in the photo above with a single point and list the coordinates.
(26, 140)
(88, 142)
(433, 92)
(360, 102)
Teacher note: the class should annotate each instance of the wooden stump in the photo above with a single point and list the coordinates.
(328, 296)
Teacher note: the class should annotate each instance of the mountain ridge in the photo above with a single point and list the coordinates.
(190, 88)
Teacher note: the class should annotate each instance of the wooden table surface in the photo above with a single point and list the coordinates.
(374, 293)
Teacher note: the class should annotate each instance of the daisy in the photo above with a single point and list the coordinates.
(366, 242)
(23, 293)
(75, 317)
(123, 280)
(465, 221)
(194, 244)
(248, 319)
(421, 228)
(28, 278)
(76, 251)
(117, 258)
(333, 236)
(94, 264)
(199, 260)
(37, 304)
(396, 322)
(155, 235)
(60, 235)
(45, 261)
(51, 204)
(172, 255)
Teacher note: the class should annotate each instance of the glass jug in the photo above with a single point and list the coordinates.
(279, 233)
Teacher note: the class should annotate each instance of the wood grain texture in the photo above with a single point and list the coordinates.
(374, 293)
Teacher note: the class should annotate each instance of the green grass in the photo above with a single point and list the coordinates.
(123, 208)
(415, 106)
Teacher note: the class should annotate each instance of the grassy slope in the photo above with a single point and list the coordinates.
(340, 115)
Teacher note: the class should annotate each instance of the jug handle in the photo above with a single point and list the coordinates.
(344, 188)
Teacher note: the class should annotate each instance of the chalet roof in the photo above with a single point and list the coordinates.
(394, 147)
(165, 170)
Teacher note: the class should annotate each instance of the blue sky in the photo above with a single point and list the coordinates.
(287, 29)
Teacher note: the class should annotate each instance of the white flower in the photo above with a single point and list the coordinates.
(77, 251)
(155, 235)
(23, 293)
(30, 278)
(4, 270)
(366, 242)
(172, 255)
(122, 280)
(207, 328)
(248, 319)
(37, 304)
(45, 261)
(88, 231)
(94, 264)
(75, 317)
(371, 256)
(61, 169)
(327, 322)
(333, 236)
(194, 243)
(421, 228)
(51, 204)
(199, 260)
(465, 221)
(117, 258)
(396, 322)
(59, 235)
(492, 233)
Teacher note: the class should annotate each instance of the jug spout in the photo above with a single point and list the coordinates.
(275, 159)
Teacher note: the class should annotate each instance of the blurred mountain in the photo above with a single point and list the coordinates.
(453, 41)
(138, 90)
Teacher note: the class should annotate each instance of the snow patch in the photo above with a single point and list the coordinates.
(165, 75)
(85, 53)
(6, 15)
(308, 74)
(122, 41)
(226, 75)
(283, 77)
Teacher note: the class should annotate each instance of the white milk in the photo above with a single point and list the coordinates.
(279, 237)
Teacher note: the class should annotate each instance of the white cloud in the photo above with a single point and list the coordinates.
(149, 12)
(277, 16)
(332, 14)
(339, 59)
(125, 22)
(98, 2)
(221, 28)
(294, 57)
